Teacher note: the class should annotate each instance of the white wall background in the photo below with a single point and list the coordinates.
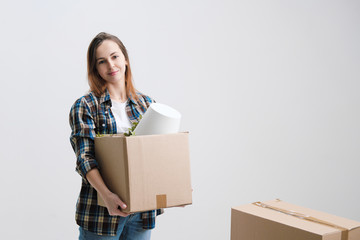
(268, 89)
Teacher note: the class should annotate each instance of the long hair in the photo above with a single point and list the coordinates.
(96, 83)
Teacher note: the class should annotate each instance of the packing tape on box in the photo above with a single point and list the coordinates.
(344, 231)
(161, 201)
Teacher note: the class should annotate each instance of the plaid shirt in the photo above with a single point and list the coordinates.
(90, 115)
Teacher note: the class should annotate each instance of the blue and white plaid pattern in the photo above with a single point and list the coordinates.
(90, 115)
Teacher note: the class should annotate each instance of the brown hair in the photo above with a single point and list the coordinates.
(96, 83)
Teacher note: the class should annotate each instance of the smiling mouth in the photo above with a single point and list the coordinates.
(113, 73)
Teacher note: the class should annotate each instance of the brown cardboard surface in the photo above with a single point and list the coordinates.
(252, 222)
(112, 149)
(147, 172)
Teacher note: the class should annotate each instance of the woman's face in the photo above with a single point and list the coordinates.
(110, 62)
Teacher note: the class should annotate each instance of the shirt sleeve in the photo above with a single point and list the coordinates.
(82, 137)
(147, 100)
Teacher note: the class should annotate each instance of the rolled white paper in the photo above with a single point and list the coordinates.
(159, 119)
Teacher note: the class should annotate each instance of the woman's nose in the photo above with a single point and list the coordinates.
(111, 64)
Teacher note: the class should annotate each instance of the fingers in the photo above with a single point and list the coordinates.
(121, 204)
(114, 206)
(117, 212)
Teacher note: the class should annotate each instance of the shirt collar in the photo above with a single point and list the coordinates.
(131, 99)
(106, 97)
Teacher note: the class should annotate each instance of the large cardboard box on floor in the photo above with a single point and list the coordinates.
(278, 220)
(147, 172)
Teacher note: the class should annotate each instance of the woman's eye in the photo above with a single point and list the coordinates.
(100, 62)
(115, 56)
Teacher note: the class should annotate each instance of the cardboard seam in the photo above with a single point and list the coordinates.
(127, 178)
(273, 221)
(344, 231)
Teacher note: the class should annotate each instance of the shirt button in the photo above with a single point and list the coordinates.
(103, 125)
(105, 112)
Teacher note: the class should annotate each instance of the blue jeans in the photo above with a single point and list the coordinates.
(130, 228)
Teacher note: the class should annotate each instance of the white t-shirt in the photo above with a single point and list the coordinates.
(122, 120)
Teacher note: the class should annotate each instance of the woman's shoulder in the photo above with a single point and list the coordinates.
(88, 100)
(143, 98)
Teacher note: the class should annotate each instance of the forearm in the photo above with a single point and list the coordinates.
(112, 201)
(97, 182)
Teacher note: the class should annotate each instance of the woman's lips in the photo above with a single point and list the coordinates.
(113, 73)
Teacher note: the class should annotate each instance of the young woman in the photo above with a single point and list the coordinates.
(111, 106)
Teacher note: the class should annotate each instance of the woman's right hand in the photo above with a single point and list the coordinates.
(112, 201)
(114, 205)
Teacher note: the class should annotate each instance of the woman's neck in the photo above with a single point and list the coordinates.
(117, 91)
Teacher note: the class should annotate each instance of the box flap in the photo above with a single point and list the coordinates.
(336, 220)
(296, 222)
